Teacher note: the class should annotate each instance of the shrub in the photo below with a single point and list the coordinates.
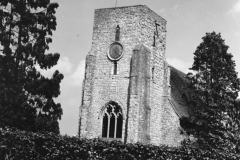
(22, 145)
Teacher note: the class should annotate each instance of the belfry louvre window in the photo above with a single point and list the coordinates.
(112, 121)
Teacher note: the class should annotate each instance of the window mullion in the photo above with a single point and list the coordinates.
(115, 129)
(108, 126)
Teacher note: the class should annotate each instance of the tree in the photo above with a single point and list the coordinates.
(26, 96)
(213, 90)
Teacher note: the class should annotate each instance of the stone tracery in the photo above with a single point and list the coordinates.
(112, 121)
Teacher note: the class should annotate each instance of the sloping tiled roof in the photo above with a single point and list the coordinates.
(177, 82)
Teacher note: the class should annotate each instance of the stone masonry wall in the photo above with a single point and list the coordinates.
(171, 133)
(137, 27)
(106, 86)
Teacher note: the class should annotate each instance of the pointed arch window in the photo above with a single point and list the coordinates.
(112, 121)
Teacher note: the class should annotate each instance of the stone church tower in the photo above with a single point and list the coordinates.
(127, 87)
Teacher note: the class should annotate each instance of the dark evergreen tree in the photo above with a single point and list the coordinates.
(27, 97)
(213, 90)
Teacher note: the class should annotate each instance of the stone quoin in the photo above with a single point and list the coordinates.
(129, 92)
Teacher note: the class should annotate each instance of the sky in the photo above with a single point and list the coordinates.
(187, 22)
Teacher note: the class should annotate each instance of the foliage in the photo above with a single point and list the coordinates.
(16, 144)
(26, 97)
(213, 90)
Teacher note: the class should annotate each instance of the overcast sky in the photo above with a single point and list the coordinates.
(187, 22)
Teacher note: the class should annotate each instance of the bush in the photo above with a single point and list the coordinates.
(22, 145)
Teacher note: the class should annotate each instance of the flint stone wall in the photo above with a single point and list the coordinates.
(144, 118)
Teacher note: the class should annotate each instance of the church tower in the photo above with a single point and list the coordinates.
(126, 90)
